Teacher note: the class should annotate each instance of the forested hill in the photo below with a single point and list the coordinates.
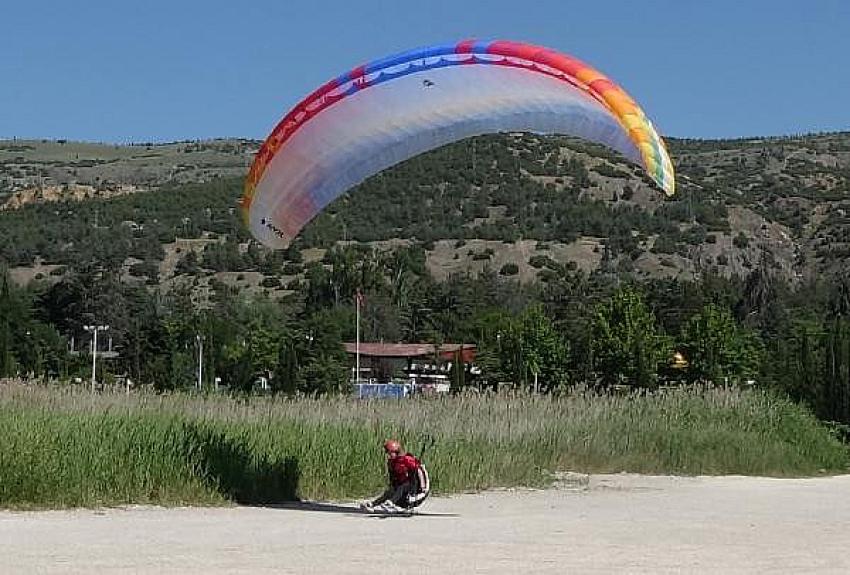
(520, 205)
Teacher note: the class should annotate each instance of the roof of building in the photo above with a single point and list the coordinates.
(447, 350)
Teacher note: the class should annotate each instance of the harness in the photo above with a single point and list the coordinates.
(422, 487)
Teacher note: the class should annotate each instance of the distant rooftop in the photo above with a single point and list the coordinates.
(411, 350)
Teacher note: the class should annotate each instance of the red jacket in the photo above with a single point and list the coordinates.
(402, 468)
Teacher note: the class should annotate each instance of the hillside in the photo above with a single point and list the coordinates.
(517, 204)
(723, 270)
(44, 170)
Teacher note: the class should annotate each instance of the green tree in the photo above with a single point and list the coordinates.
(798, 359)
(626, 344)
(544, 352)
(492, 328)
(717, 348)
(175, 367)
(525, 349)
(28, 346)
(311, 358)
(8, 318)
(834, 396)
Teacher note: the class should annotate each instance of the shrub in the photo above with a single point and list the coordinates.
(741, 241)
(541, 261)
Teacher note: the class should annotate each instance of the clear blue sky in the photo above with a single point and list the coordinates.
(157, 70)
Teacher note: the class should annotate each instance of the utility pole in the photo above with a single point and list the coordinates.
(93, 329)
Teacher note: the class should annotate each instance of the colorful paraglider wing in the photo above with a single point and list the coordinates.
(390, 110)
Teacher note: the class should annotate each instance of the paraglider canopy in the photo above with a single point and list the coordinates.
(387, 111)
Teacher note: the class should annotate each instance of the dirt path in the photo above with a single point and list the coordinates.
(614, 523)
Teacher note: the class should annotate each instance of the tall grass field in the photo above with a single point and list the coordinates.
(63, 447)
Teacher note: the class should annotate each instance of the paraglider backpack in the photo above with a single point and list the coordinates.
(421, 483)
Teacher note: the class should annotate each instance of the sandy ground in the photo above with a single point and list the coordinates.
(601, 524)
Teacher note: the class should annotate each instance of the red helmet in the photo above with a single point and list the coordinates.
(392, 446)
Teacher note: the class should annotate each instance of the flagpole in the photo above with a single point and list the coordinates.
(357, 344)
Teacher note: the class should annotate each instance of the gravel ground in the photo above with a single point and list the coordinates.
(601, 523)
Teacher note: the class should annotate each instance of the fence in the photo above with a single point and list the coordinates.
(383, 390)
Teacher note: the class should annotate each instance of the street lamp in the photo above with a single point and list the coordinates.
(94, 329)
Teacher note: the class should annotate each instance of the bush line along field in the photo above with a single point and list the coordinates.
(64, 447)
